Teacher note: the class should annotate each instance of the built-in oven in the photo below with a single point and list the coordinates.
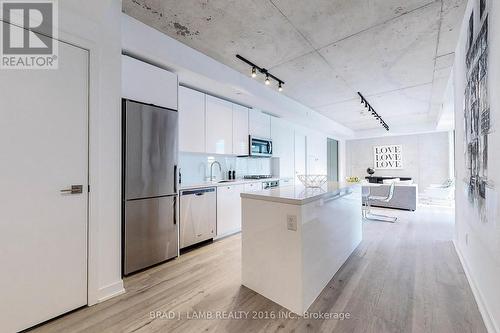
(260, 147)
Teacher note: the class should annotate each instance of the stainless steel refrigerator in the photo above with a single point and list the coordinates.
(149, 189)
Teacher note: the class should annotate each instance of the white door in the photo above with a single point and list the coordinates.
(43, 231)
(316, 154)
(300, 154)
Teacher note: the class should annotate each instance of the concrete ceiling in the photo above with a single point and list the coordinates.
(397, 53)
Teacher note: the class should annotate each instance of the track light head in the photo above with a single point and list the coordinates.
(372, 112)
(254, 72)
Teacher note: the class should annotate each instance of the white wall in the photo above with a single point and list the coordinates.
(96, 26)
(478, 242)
(425, 157)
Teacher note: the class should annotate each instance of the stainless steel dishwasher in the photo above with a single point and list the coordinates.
(198, 215)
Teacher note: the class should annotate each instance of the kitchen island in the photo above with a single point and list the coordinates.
(295, 239)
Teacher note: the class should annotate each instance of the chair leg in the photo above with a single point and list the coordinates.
(378, 217)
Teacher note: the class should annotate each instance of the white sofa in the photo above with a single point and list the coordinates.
(405, 195)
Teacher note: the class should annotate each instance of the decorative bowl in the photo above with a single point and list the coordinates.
(313, 180)
(352, 179)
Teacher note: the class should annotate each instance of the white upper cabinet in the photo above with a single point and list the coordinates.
(146, 83)
(191, 120)
(240, 130)
(259, 124)
(219, 126)
(282, 134)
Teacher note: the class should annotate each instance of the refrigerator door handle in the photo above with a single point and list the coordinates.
(175, 210)
(175, 178)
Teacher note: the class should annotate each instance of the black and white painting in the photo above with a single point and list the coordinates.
(477, 115)
(389, 157)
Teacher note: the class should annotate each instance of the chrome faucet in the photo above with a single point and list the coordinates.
(212, 169)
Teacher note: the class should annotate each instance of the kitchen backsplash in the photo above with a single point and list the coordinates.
(196, 167)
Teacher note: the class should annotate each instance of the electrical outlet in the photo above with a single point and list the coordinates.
(291, 222)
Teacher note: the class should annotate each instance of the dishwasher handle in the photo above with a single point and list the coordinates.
(198, 192)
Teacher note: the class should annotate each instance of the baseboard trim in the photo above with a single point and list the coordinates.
(110, 291)
(483, 310)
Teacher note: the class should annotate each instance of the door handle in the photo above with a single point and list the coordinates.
(74, 189)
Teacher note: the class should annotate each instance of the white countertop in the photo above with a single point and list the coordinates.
(298, 194)
(190, 186)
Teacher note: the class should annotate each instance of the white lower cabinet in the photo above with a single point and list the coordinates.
(286, 182)
(253, 187)
(229, 209)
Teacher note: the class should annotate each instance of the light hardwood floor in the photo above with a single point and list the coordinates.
(404, 277)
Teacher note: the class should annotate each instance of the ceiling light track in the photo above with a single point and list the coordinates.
(373, 112)
(263, 71)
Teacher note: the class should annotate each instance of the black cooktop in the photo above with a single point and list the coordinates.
(257, 177)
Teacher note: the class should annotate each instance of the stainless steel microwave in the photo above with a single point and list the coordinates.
(259, 147)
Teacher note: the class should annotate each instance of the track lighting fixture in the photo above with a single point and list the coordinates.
(264, 71)
(373, 112)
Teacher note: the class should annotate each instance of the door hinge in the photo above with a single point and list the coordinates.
(88, 188)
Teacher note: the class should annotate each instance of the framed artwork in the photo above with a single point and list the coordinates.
(477, 124)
